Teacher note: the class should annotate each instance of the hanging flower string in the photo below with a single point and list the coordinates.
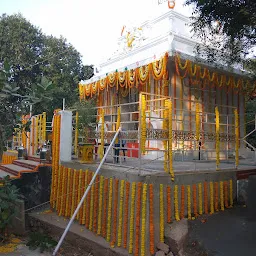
(195, 201)
(205, 197)
(165, 142)
(231, 193)
(110, 196)
(176, 203)
(143, 125)
(161, 212)
(182, 206)
(189, 201)
(217, 116)
(170, 140)
(151, 220)
(120, 217)
(143, 220)
(138, 215)
(100, 205)
(200, 198)
(105, 209)
(211, 199)
(169, 204)
(221, 196)
(226, 194)
(216, 197)
(126, 212)
(132, 214)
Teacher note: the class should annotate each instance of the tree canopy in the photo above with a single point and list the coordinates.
(228, 29)
(33, 54)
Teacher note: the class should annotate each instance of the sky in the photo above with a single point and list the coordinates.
(91, 26)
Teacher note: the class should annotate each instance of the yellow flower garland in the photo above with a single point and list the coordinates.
(143, 125)
(91, 207)
(79, 189)
(73, 193)
(110, 196)
(84, 204)
(67, 194)
(143, 220)
(211, 198)
(170, 140)
(161, 209)
(131, 235)
(118, 121)
(221, 196)
(102, 134)
(217, 116)
(165, 142)
(120, 217)
(197, 124)
(176, 202)
(100, 205)
(237, 137)
(200, 199)
(189, 201)
(63, 192)
(231, 193)
(58, 199)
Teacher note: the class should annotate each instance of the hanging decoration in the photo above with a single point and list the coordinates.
(165, 142)
(143, 220)
(197, 125)
(102, 134)
(169, 204)
(161, 212)
(143, 136)
(170, 139)
(171, 4)
(132, 214)
(217, 117)
(200, 198)
(120, 217)
(176, 203)
(236, 137)
(189, 201)
(110, 199)
(151, 219)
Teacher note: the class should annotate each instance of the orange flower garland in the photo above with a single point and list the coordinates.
(79, 189)
(211, 199)
(114, 228)
(200, 199)
(205, 197)
(182, 207)
(96, 202)
(67, 210)
(100, 205)
(151, 219)
(216, 197)
(161, 212)
(88, 200)
(126, 212)
(195, 201)
(120, 217)
(169, 204)
(231, 193)
(92, 207)
(226, 194)
(74, 192)
(105, 204)
(132, 213)
(85, 184)
(221, 196)
(82, 190)
(138, 213)
(63, 192)
(189, 201)
(110, 199)
(143, 220)
(59, 189)
(70, 192)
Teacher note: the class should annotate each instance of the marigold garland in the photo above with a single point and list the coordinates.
(105, 209)
(217, 116)
(170, 140)
(120, 217)
(58, 196)
(114, 227)
(189, 201)
(211, 199)
(182, 202)
(169, 204)
(176, 203)
(82, 190)
(63, 192)
(102, 134)
(197, 124)
(96, 202)
(100, 205)
(205, 197)
(231, 193)
(165, 142)
(226, 194)
(79, 189)
(126, 212)
(110, 198)
(88, 202)
(151, 220)
(237, 137)
(216, 197)
(200, 198)
(74, 192)
(143, 135)
(85, 184)
(67, 210)
(138, 215)
(195, 201)
(143, 220)
(161, 212)
(91, 207)
(132, 214)
(221, 196)
(118, 121)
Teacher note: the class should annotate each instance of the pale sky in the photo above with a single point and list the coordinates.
(91, 26)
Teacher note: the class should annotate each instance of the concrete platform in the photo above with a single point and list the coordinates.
(3, 174)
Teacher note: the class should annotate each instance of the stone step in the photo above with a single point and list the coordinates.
(26, 163)
(3, 173)
(8, 169)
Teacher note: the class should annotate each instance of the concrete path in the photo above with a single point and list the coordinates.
(232, 232)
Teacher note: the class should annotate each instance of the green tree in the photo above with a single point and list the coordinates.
(33, 55)
(229, 27)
